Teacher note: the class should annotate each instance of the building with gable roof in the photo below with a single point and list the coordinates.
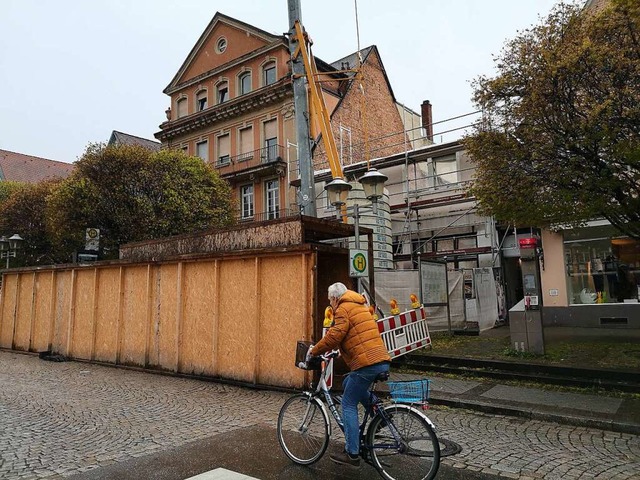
(232, 105)
(120, 138)
(19, 167)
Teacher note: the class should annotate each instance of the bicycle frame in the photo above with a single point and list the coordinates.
(323, 391)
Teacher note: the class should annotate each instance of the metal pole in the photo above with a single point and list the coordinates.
(356, 223)
(306, 200)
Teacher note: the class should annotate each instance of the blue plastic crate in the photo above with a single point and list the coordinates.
(410, 391)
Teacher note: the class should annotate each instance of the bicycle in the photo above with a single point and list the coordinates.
(399, 441)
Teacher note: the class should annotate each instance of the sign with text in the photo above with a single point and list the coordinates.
(433, 282)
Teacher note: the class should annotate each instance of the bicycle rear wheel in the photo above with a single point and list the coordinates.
(415, 457)
(303, 429)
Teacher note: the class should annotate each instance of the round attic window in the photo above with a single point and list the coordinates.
(221, 45)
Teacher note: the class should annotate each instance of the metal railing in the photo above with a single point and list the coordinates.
(262, 216)
(266, 155)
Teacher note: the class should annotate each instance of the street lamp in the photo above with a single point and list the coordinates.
(373, 185)
(10, 246)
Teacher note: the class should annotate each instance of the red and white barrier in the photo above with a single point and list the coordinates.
(405, 332)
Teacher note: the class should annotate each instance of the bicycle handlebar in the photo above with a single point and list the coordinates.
(325, 356)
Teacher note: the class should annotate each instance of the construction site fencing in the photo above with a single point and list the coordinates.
(223, 317)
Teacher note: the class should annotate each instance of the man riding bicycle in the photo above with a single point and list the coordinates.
(355, 333)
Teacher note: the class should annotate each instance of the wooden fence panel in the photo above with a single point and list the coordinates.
(43, 312)
(285, 318)
(198, 318)
(22, 327)
(133, 331)
(8, 310)
(62, 315)
(105, 342)
(238, 319)
(83, 319)
(163, 353)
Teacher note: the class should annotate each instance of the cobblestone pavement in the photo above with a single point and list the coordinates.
(60, 419)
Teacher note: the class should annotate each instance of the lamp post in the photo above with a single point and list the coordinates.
(373, 185)
(10, 246)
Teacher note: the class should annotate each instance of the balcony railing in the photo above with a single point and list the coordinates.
(265, 155)
(260, 217)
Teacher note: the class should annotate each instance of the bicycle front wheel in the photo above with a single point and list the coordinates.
(413, 453)
(303, 429)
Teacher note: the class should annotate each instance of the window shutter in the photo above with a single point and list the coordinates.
(271, 129)
(223, 145)
(246, 140)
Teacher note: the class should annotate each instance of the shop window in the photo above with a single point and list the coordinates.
(601, 266)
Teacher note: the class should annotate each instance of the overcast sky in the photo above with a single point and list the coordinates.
(74, 70)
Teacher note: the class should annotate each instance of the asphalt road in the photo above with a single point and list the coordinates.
(252, 451)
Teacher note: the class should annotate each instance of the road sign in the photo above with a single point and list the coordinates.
(358, 263)
(92, 239)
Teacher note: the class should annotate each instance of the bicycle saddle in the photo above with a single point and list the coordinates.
(382, 377)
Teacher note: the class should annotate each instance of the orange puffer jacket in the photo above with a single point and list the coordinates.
(355, 333)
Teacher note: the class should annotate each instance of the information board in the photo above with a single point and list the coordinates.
(433, 282)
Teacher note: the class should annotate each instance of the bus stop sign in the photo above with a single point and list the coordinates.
(358, 263)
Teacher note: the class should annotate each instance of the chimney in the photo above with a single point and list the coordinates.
(427, 119)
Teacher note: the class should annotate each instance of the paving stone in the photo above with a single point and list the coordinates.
(64, 418)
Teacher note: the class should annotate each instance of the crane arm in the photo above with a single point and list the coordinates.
(318, 108)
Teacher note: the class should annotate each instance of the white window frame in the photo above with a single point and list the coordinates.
(272, 198)
(247, 201)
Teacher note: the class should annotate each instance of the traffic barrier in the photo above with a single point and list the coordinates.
(405, 332)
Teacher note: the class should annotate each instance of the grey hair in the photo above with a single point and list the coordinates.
(337, 290)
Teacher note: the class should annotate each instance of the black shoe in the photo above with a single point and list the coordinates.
(344, 458)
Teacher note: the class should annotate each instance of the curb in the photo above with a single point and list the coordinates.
(540, 415)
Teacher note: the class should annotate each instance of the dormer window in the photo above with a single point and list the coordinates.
(201, 100)
(269, 73)
(223, 92)
(245, 83)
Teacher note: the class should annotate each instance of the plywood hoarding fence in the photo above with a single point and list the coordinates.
(228, 316)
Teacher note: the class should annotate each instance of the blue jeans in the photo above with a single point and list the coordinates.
(356, 390)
